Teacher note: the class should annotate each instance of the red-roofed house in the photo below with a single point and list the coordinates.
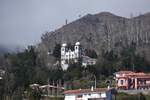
(88, 94)
(131, 80)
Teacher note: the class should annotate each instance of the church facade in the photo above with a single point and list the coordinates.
(70, 54)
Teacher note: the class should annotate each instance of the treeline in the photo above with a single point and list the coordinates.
(23, 69)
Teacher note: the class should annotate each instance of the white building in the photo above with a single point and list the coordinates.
(73, 55)
(68, 55)
(88, 94)
(2, 72)
(88, 61)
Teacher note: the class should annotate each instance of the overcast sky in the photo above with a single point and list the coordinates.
(22, 22)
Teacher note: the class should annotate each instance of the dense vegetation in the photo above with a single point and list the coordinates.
(23, 69)
(123, 96)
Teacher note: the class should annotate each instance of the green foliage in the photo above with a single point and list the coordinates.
(35, 94)
(24, 69)
(55, 75)
(123, 96)
(90, 53)
(107, 65)
(57, 51)
(40, 75)
(70, 46)
(133, 61)
(74, 72)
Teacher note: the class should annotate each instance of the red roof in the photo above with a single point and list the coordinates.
(86, 91)
(124, 72)
(133, 74)
(139, 75)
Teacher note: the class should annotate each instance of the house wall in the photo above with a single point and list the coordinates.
(95, 95)
(108, 95)
(86, 96)
(70, 97)
(123, 81)
(148, 81)
(132, 81)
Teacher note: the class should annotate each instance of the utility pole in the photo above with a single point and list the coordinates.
(48, 88)
(133, 67)
(95, 81)
(57, 89)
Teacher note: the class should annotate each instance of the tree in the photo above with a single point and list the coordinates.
(91, 53)
(57, 51)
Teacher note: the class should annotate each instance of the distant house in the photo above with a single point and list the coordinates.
(51, 90)
(48, 90)
(88, 94)
(88, 61)
(34, 86)
(130, 80)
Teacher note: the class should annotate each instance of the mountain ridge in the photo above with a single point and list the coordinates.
(101, 32)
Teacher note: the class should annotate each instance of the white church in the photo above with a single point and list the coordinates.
(69, 56)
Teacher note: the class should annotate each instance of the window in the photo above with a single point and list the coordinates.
(66, 56)
(100, 94)
(79, 96)
(121, 81)
(66, 62)
(144, 82)
(76, 55)
(63, 49)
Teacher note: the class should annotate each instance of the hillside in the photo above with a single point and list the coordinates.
(120, 44)
(102, 32)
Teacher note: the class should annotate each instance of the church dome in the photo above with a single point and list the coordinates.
(77, 43)
(64, 44)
